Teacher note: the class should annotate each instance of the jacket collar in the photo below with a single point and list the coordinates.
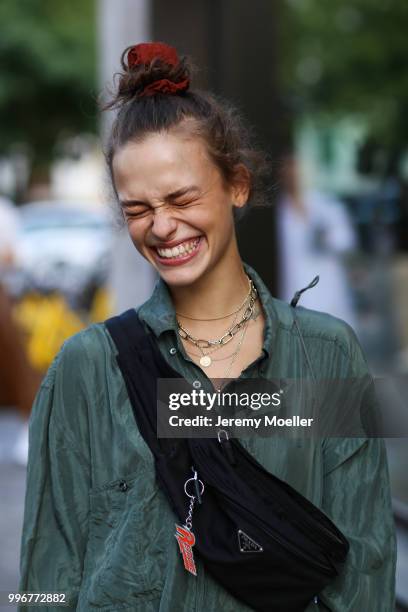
(159, 314)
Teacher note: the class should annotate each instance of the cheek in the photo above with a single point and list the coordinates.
(217, 216)
(223, 220)
(136, 235)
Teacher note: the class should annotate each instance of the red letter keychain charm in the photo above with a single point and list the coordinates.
(185, 537)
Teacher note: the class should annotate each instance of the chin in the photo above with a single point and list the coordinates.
(182, 276)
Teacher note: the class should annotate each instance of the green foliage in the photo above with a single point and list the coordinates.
(349, 57)
(47, 80)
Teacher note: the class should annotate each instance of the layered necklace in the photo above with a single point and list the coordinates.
(236, 326)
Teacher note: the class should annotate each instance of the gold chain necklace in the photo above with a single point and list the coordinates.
(235, 355)
(213, 351)
(205, 359)
(230, 333)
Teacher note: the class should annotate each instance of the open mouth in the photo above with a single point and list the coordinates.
(183, 251)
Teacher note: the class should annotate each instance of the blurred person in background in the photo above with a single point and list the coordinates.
(314, 233)
(97, 526)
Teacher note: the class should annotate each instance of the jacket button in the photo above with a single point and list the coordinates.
(172, 351)
(123, 486)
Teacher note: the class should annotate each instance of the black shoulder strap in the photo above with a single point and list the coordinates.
(141, 364)
(125, 331)
(297, 295)
(130, 335)
(293, 305)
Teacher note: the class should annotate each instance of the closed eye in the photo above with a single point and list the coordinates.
(136, 211)
(131, 214)
(185, 203)
(141, 210)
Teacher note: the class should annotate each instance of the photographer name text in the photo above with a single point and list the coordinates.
(254, 422)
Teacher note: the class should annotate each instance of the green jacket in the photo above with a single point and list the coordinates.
(112, 549)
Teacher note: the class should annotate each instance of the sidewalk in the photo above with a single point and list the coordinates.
(12, 487)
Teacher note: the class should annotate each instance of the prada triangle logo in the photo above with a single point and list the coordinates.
(247, 544)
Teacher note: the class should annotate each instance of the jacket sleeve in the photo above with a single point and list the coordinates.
(356, 496)
(58, 481)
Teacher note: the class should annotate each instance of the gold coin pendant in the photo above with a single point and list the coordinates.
(205, 361)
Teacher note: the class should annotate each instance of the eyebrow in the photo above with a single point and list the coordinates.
(170, 196)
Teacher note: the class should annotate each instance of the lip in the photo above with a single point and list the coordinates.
(180, 260)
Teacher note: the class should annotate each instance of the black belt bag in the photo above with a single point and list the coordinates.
(263, 541)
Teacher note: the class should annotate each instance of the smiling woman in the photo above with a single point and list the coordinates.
(177, 207)
(98, 524)
(199, 169)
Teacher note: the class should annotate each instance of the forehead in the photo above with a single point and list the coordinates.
(159, 163)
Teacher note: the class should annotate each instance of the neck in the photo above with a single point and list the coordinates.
(216, 294)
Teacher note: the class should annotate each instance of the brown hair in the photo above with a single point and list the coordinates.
(228, 139)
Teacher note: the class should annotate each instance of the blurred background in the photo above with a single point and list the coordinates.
(325, 87)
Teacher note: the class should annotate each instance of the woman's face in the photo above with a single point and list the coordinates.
(178, 209)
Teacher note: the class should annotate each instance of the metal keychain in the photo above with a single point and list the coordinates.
(185, 537)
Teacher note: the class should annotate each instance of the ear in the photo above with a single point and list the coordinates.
(241, 185)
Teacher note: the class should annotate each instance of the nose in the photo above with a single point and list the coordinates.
(164, 225)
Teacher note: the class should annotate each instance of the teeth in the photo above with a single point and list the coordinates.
(181, 249)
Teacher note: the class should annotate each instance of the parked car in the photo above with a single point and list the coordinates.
(64, 247)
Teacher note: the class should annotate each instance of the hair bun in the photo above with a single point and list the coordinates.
(144, 53)
(151, 68)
